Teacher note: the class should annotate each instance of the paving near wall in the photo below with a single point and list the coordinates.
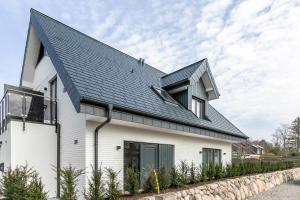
(233, 189)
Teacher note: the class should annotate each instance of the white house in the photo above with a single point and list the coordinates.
(84, 103)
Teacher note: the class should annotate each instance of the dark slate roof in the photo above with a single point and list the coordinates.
(91, 70)
(180, 75)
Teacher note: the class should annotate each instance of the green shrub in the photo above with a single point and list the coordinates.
(211, 171)
(69, 181)
(113, 185)
(150, 183)
(96, 189)
(22, 183)
(290, 164)
(203, 176)
(131, 181)
(183, 172)
(36, 188)
(220, 172)
(164, 178)
(193, 175)
(174, 175)
(235, 169)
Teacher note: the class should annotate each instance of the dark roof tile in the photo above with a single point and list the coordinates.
(102, 73)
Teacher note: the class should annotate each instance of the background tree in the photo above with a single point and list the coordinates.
(295, 130)
(276, 139)
(284, 132)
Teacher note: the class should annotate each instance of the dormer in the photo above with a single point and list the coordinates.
(193, 86)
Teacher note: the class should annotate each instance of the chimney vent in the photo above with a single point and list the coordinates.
(142, 61)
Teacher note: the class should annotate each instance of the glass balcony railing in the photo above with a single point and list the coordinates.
(27, 107)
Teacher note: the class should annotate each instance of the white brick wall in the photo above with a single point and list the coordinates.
(36, 146)
(72, 123)
(5, 150)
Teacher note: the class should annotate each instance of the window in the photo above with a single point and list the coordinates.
(132, 155)
(164, 95)
(198, 107)
(211, 156)
(53, 97)
(42, 53)
(145, 156)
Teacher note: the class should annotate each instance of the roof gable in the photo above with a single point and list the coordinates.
(180, 75)
(95, 72)
(193, 73)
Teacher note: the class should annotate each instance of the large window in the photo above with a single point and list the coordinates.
(198, 107)
(144, 157)
(211, 156)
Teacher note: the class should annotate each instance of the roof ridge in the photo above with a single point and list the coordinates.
(183, 68)
(40, 13)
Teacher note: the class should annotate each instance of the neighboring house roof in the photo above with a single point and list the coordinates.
(93, 71)
(257, 146)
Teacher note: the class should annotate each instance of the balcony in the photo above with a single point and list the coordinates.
(26, 106)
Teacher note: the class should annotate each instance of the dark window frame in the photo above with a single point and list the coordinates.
(202, 103)
(205, 161)
(53, 99)
(140, 156)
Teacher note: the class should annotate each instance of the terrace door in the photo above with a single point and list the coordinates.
(149, 158)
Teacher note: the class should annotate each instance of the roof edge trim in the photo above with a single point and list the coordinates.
(57, 63)
(133, 111)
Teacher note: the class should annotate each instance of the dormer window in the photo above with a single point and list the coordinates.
(198, 107)
(164, 95)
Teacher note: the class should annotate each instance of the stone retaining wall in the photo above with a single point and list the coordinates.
(233, 189)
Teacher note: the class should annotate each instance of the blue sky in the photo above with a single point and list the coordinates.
(253, 47)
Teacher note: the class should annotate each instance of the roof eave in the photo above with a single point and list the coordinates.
(133, 111)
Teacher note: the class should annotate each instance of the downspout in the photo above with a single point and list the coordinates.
(58, 160)
(109, 115)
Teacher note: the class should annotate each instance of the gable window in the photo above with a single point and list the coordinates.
(211, 156)
(42, 53)
(198, 107)
(164, 95)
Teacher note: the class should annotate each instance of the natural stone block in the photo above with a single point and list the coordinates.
(168, 196)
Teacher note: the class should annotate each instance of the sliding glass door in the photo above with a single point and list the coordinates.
(211, 156)
(144, 157)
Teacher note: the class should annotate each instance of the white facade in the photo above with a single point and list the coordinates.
(36, 146)
(113, 135)
(72, 123)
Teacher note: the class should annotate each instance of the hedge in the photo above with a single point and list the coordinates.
(185, 174)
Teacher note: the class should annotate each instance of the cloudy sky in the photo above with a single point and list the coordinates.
(253, 46)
